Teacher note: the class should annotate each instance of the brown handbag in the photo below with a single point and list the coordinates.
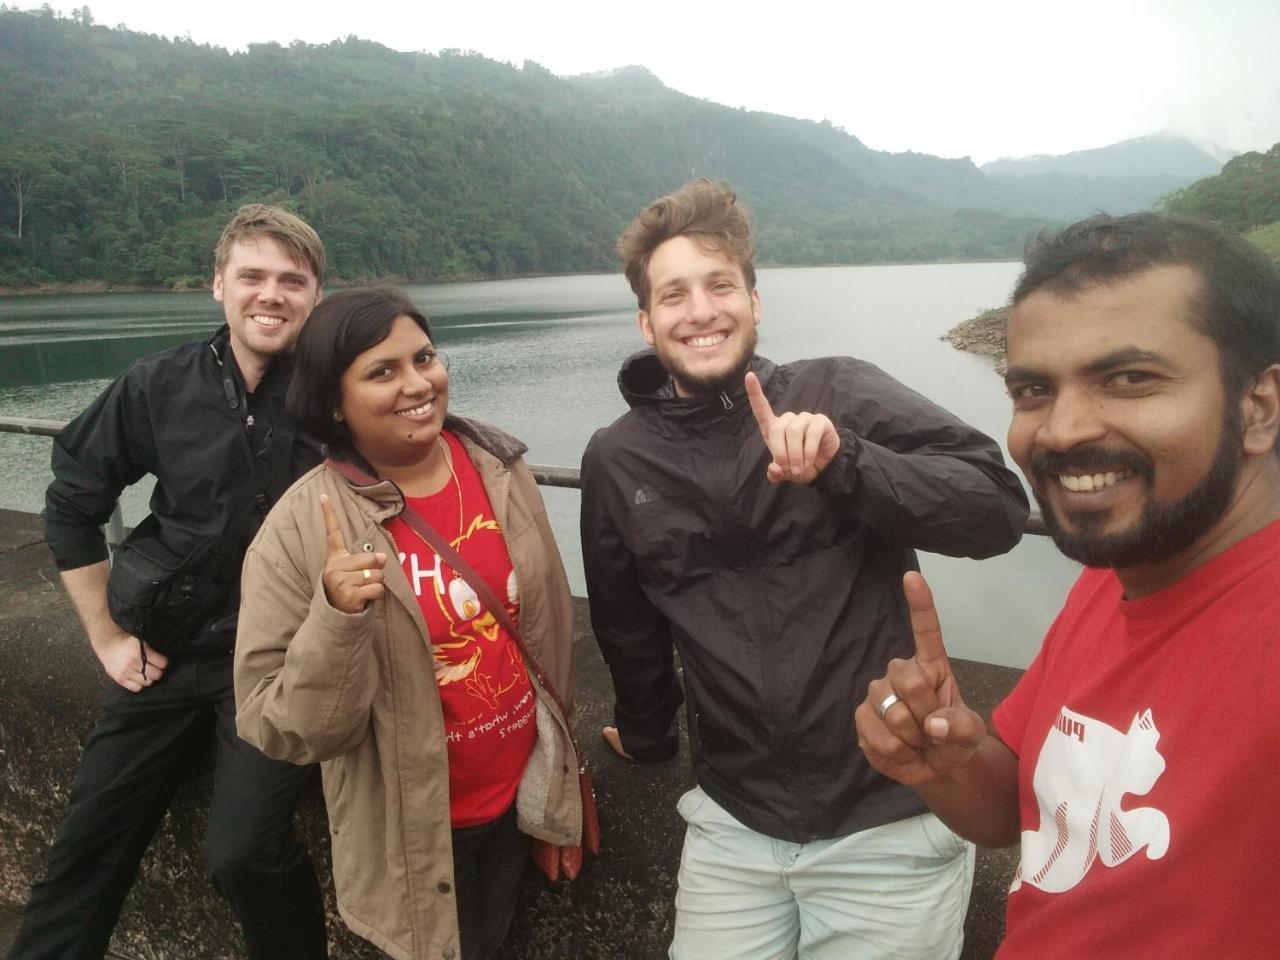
(551, 860)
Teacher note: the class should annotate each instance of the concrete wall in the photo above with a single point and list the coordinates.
(621, 906)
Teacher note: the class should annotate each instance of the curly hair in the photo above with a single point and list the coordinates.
(706, 210)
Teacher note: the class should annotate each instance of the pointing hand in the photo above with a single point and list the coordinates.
(914, 725)
(351, 580)
(801, 444)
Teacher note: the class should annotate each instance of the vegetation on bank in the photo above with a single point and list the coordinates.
(1268, 238)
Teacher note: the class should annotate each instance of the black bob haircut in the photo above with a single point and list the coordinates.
(1237, 307)
(341, 327)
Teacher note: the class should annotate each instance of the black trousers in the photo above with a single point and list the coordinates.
(139, 752)
(488, 862)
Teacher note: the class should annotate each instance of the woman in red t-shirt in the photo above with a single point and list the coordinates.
(443, 737)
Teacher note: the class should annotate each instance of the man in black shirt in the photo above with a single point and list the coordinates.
(206, 419)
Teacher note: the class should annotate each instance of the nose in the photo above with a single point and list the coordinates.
(1072, 418)
(269, 292)
(702, 307)
(417, 383)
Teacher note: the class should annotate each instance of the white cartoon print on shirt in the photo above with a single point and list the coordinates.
(1084, 770)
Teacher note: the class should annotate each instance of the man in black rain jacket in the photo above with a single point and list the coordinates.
(207, 420)
(760, 519)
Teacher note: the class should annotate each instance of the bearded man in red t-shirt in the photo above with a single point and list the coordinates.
(1136, 762)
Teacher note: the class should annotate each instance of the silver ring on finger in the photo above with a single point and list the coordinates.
(886, 703)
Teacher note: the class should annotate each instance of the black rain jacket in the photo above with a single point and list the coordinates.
(783, 601)
(183, 416)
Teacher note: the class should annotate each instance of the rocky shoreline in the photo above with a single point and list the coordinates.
(983, 334)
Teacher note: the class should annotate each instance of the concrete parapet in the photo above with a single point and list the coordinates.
(620, 908)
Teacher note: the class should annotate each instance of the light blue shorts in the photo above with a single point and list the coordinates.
(900, 890)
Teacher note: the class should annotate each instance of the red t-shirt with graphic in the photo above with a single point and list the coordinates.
(485, 693)
(1148, 741)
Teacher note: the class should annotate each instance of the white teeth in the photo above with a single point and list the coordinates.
(416, 411)
(708, 341)
(1089, 482)
(267, 321)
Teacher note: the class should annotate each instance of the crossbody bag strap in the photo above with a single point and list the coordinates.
(590, 836)
(436, 541)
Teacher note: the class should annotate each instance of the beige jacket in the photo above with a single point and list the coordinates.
(358, 694)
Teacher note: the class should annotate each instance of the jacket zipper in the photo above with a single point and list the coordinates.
(760, 624)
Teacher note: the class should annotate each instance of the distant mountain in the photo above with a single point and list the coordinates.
(121, 154)
(1152, 156)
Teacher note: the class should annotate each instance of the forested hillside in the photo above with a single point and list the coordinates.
(1245, 197)
(121, 155)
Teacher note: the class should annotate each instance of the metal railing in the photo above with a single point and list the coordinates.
(548, 476)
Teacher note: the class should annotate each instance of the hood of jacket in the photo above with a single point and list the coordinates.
(645, 383)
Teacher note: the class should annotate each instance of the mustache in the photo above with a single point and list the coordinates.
(1090, 460)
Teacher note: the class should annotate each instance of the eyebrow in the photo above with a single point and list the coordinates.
(1116, 358)
(683, 280)
(426, 347)
(670, 281)
(284, 274)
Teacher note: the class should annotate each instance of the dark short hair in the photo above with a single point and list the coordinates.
(340, 328)
(1238, 305)
(705, 210)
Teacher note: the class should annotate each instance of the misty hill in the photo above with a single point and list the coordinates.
(1245, 195)
(1159, 156)
(121, 155)
(1132, 175)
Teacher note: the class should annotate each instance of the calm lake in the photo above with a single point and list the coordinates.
(540, 358)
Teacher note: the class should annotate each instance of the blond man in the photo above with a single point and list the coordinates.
(206, 420)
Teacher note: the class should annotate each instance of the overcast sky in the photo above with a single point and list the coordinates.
(980, 78)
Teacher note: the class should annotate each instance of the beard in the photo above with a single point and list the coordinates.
(693, 384)
(1162, 530)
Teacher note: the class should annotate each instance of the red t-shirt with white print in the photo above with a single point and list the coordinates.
(1148, 741)
(488, 702)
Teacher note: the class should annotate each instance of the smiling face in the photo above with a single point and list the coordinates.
(394, 399)
(701, 318)
(1121, 421)
(266, 296)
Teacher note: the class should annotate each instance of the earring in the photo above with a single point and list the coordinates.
(337, 416)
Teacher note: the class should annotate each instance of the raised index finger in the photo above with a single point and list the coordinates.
(924, 620)
(332, 532)
(759, 403)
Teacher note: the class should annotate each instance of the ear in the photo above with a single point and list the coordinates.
(755, 305)
(217, 285)
(1260, 407)
(646, 328)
